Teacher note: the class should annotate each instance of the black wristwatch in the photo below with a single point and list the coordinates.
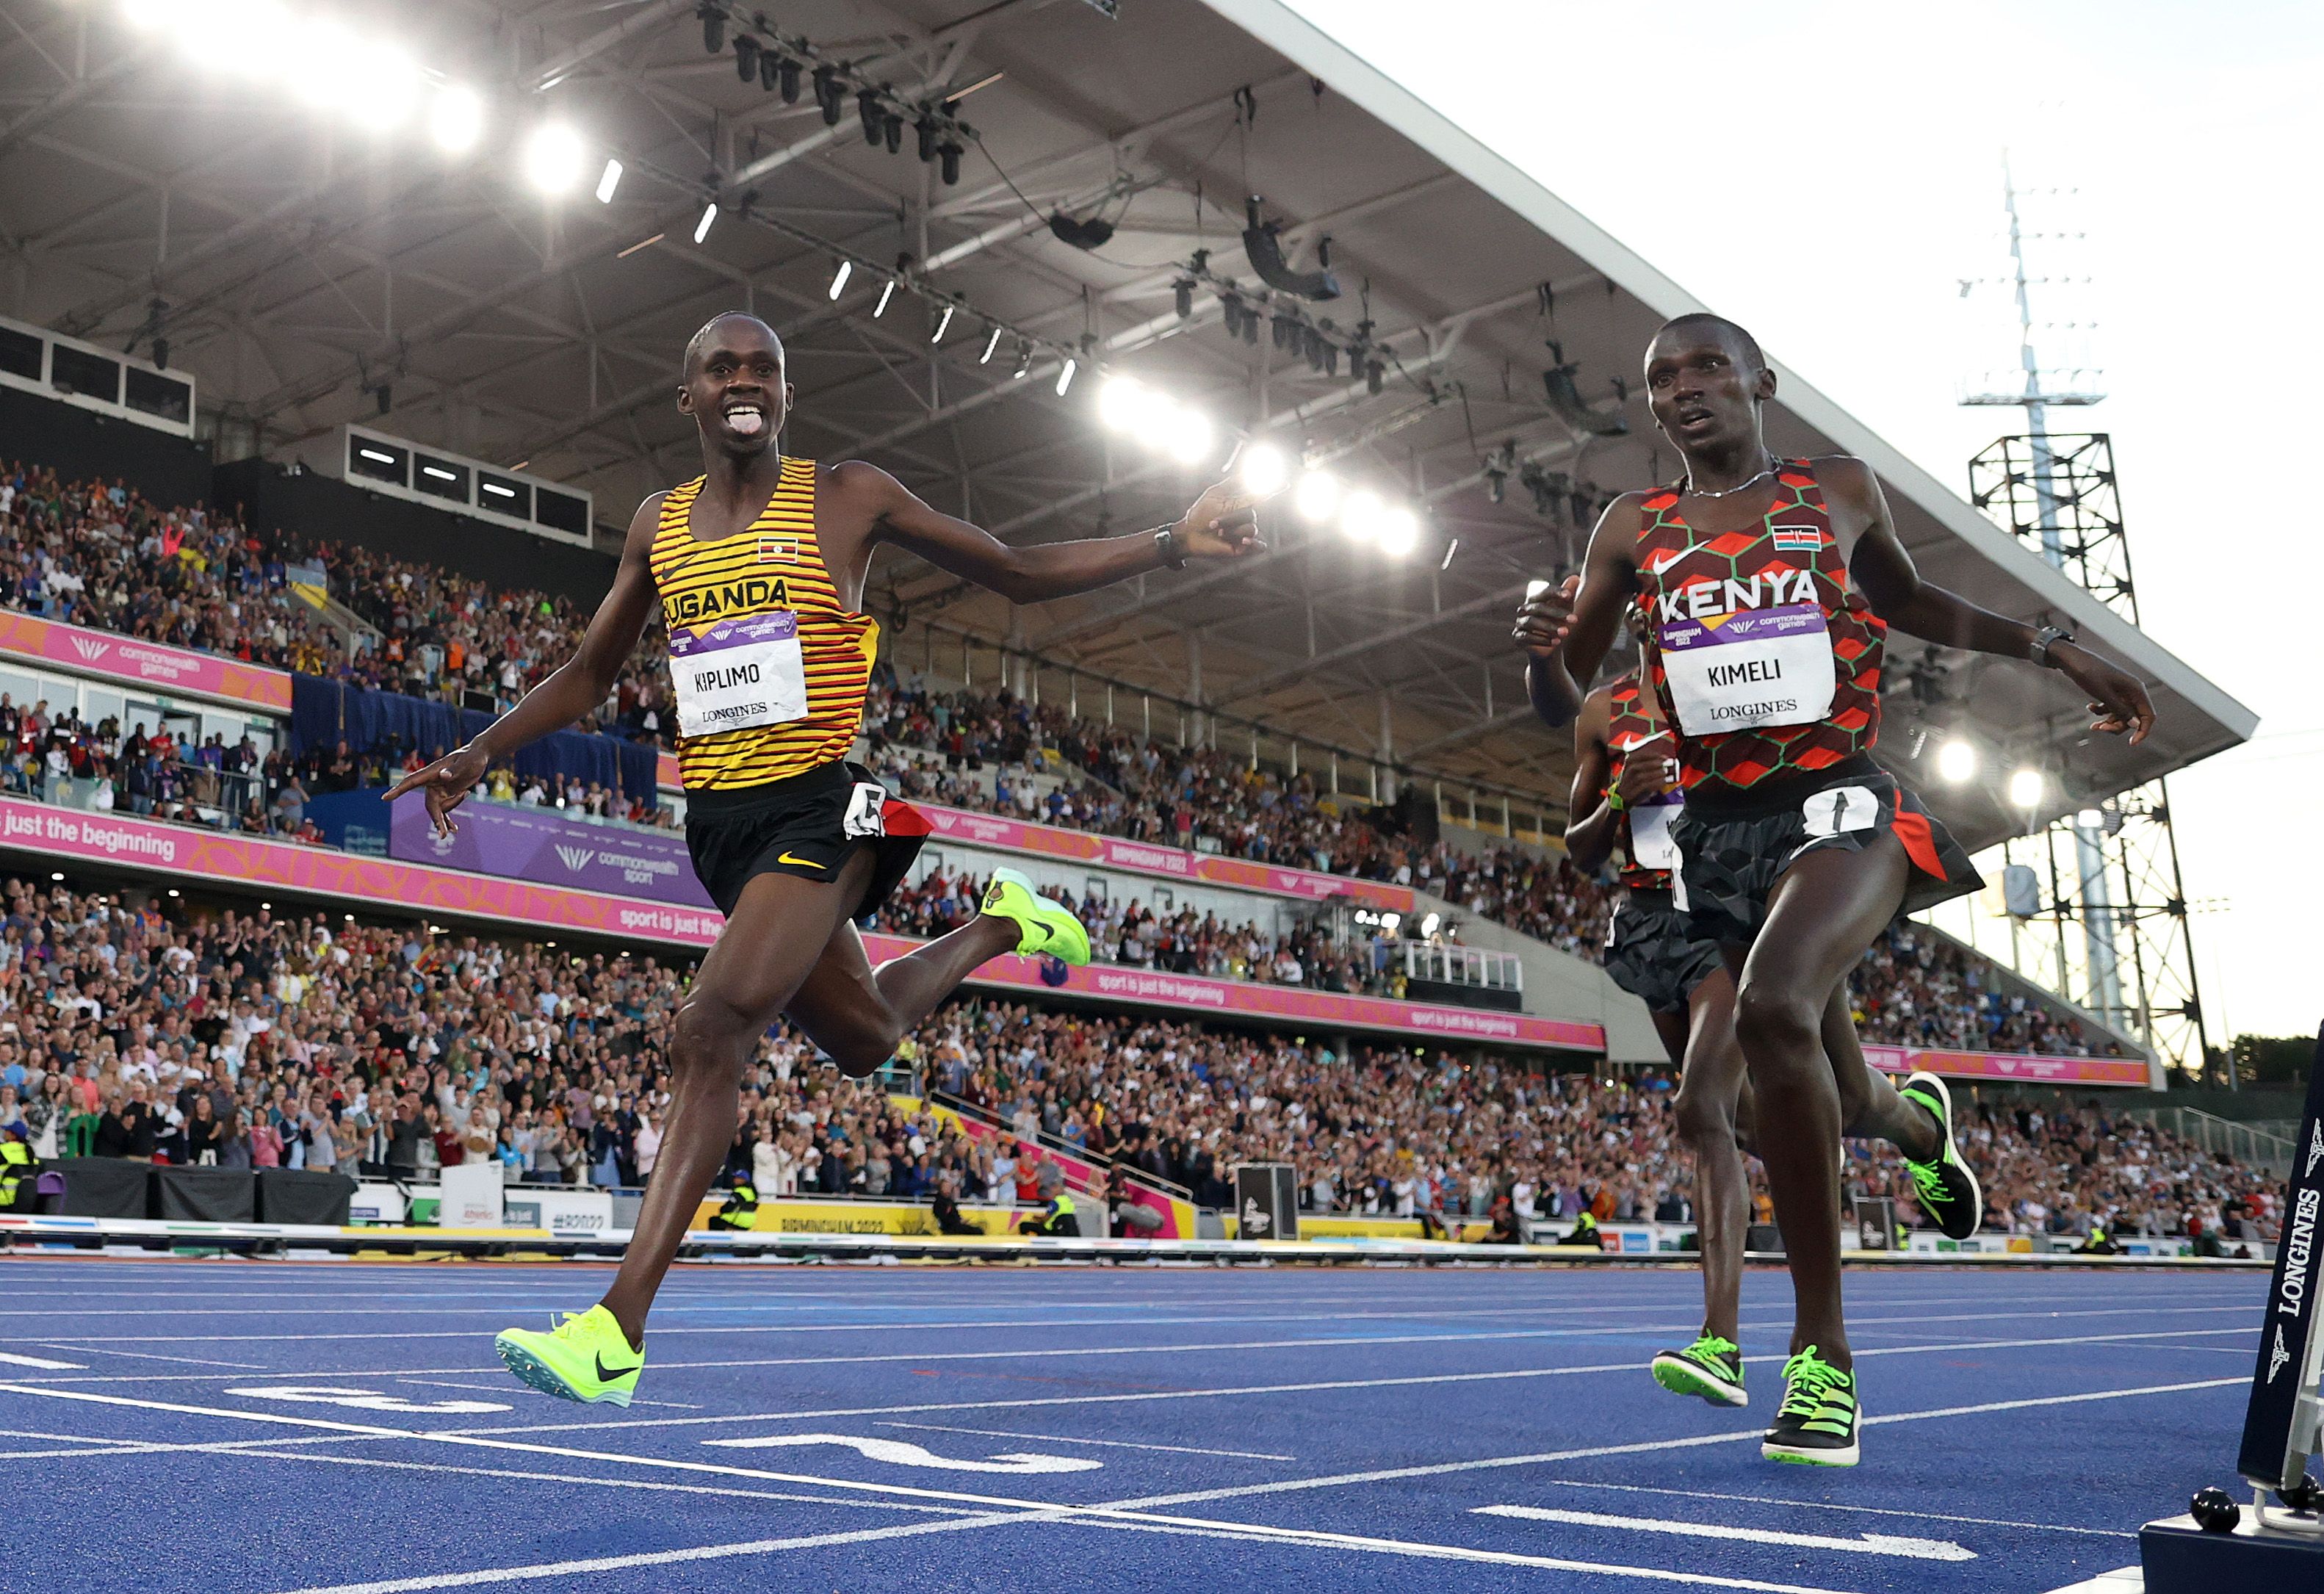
(2048, 637)
(1166, 544)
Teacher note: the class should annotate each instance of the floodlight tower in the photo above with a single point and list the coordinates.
(2057, 493)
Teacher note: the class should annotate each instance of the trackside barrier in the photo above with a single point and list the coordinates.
(149, 1235)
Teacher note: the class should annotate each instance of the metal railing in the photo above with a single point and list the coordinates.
(2247, 1143)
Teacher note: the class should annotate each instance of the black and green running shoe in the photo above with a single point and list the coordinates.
(1816, 1425)
(1710, 1367)
(1949, 1192)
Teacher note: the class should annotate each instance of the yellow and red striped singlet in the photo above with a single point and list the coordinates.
(770, 670)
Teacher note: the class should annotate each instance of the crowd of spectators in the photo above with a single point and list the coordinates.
(259, 1040)
(1133, 932)
(98, 554)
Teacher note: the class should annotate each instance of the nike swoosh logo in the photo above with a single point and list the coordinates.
(606, 1375)
(1049, 931)
(803, 862)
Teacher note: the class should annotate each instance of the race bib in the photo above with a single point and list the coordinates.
(867, 811)
(738, 675)
(1753, 668)
(1650, 837)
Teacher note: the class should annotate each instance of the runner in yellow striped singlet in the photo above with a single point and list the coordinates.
(758, 566)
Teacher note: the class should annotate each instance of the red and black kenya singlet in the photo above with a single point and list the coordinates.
(1745, 621)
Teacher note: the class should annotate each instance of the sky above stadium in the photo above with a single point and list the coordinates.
(2188, 133)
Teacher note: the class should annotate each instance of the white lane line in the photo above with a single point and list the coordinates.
(1642, 1447)
(1934, 1347)
(13, 1359)
(646, 1484)
(568, 1568)
(1821, 1505)
(1127, 1511)
(574, 1569)
(82, 1341)
(2124, 1341)
(1864, 1545)
(79, 1350)
(499, 1388)
(1181, 1449)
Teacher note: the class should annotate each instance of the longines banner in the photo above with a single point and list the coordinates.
(2274, 1452)
(541, 844)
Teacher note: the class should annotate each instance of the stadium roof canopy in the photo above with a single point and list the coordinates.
(156, 182)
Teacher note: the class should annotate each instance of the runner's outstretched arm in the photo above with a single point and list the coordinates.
(1568, 631)
(576, 687)
(1220, 526)
(1590, 819)
(1884, 572)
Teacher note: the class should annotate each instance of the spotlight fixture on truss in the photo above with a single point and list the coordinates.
(777, 63)
(1565, 399)
(1264, 249)
(1094, 233)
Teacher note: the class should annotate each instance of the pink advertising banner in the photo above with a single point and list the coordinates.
(187, 851)
(988, 830)
(1230, 998)
(2016, 1067)
(151, 665)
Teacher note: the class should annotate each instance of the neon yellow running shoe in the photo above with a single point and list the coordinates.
(1816, 1425)
(1049, 928)
(1710, 1367)
(585, 1358)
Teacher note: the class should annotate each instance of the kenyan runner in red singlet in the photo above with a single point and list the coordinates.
(1768, 586)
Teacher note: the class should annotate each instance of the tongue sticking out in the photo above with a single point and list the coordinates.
(746, 423)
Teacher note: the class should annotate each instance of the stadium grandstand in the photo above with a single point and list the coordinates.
(337, 350)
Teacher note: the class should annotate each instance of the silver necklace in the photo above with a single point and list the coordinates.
(1730, 491)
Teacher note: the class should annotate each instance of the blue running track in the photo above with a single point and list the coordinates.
(227, 1425)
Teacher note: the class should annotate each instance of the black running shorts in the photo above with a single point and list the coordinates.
(1652, 953)
(804, 825)
(1732, 851)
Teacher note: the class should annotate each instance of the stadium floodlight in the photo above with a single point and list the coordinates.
(709, 219)
(991, 342)
(1189, 435)
(943, 322)
(145, 15)
(1121, 402)
(1956, 762)
(609, 179)
(455, 118)
(1065, 376)
(2025, 789)
(2090, 819)
(248, 37)
(839, 279)
(1361, 513)
(1399, 533)
(1263, 469)
(553, 156)
(1316, 495)
(379, 93)
(886, 293)
(312, 59)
